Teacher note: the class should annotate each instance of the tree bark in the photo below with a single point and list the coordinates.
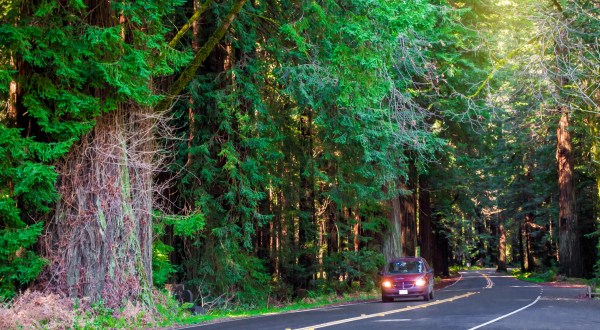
(569, 249)
(356, 229)
(100, 242)
(392, 240)
(501, 249)
(530, 248)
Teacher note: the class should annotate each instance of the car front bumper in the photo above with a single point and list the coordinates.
(403, 293)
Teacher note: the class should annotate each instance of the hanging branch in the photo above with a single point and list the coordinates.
(188, 74)
(195, 17)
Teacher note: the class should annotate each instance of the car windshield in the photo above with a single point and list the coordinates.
(405, 267)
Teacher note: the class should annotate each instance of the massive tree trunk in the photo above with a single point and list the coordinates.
(569, 249)
(100, 242)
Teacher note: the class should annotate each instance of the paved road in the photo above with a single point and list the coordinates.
(479, 300)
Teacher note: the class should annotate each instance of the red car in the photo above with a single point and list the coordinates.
(409, 277)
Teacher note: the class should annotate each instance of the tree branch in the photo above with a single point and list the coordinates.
(203, 7)
(188, 74)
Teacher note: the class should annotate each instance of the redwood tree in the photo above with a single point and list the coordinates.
(84, 71)
(568, 239)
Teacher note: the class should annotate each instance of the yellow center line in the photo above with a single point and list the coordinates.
(490, 283)
(405, 309)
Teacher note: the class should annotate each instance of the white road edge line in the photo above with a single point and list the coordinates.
(460, 278)
(507, 315)
(386, 313)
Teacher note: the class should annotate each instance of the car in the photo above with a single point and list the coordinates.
(408, 277)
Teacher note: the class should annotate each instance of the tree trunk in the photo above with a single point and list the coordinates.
(527, 248)
(522, 255)
(441, 252)
(501, 249)
(13, 92)
(392, 240)
(569, 250)
(531, 265)
(356, 230)
(100, 242)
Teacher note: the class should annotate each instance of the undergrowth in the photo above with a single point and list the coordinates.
(457, 268)
(550, 275)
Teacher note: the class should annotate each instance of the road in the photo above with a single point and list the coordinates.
(479, 300)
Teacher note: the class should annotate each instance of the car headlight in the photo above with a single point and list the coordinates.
(420, 282)
(386, 284)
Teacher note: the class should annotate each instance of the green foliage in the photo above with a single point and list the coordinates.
(324, 104)
(347, 267)
(298, 127)
(24, 184)
(19, 266)
(549, 275)
(162, 269)
(183, 226)
(232, 277)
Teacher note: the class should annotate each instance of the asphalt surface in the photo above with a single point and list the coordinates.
(479, 300)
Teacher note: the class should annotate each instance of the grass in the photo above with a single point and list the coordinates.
(457, 268)
(550, 275)
(306, 303)
(547, 276)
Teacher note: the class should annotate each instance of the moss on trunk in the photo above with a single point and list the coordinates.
(99, 243)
